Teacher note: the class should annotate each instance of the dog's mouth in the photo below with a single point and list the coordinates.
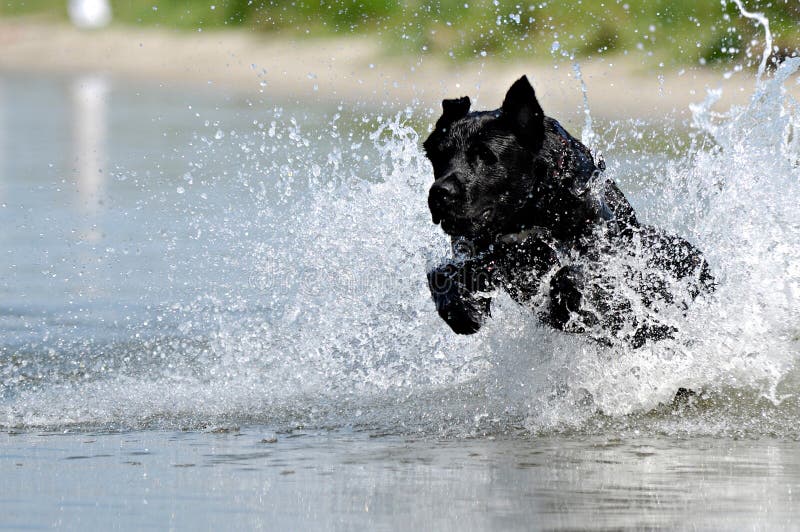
(454, 226)
(448, 225)
(460, 226)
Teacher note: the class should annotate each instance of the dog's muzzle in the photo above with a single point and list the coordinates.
(443, 198)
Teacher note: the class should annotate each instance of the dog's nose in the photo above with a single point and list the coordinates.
(442, 197)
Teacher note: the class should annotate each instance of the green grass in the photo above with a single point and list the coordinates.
(671, 31)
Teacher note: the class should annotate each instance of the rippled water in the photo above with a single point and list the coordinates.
(342, 480)
(184, 261)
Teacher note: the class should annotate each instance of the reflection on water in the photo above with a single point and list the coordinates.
(3, 134)
(89, 128)
(91, 204)
(353, 480)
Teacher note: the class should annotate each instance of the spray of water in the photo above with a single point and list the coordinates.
(763, 22)
(328, 322)
(588, 136)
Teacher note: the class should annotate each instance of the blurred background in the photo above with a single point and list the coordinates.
(657, 52)
(679, 32)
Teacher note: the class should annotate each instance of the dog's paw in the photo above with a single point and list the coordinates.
(463, 319)
(442, 281)
(461, 309)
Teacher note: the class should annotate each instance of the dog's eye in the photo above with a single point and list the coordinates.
(482, 152)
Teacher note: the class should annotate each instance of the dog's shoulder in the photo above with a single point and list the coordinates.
(575, 183)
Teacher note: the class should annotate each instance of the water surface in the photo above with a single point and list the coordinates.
(184, 275)
(345, 480)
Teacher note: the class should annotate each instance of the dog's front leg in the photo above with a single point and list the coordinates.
(566, 297)
(456, 290)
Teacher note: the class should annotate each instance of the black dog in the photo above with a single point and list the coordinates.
(529, 210)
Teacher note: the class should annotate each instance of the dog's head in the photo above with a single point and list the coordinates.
(483, 163)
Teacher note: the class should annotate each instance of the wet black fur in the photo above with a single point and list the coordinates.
(529, 210)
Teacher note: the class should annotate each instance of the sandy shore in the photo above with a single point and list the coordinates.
(350, 69)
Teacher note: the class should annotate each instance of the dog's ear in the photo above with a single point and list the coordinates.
(524, 114)
(453, 110)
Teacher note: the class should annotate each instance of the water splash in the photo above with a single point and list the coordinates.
(323, 318)
(588, 136)
(764, 22)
